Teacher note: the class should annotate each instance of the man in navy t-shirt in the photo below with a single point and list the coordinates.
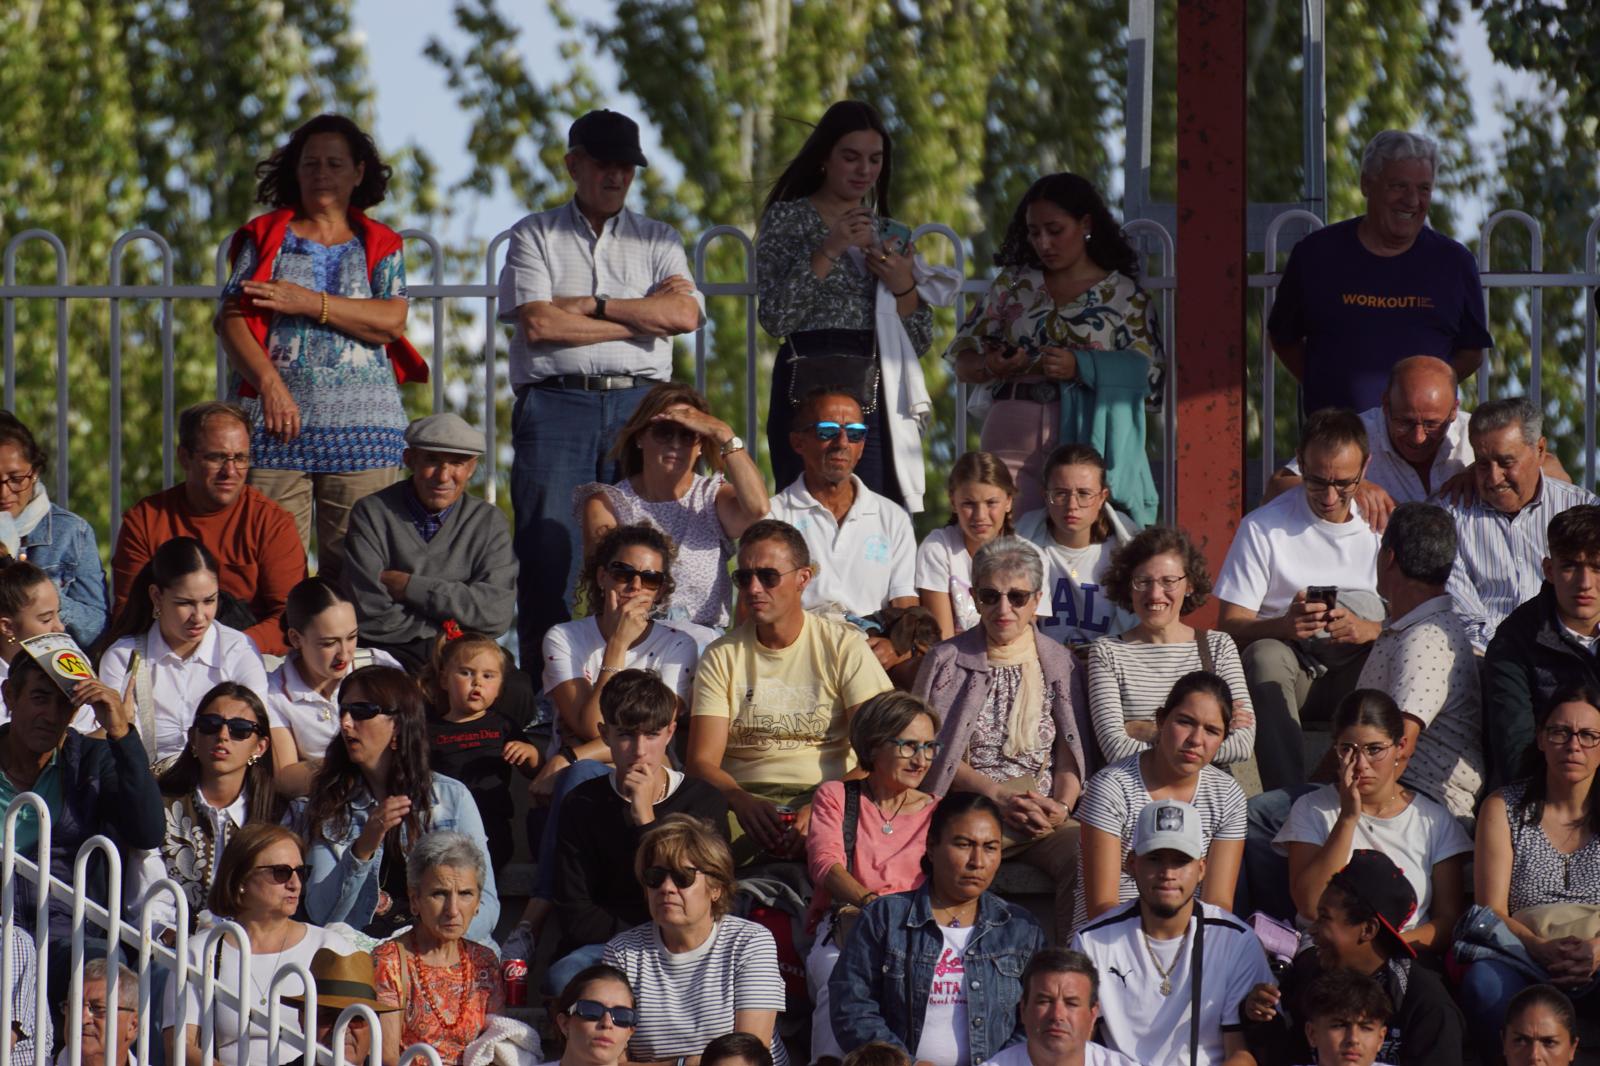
(1360, 295)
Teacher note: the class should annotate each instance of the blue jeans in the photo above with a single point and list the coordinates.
(1264, 875)
(567, 967)
(560, 439)
(544, 840)
(1486, 992)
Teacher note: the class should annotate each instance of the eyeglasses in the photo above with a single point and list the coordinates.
(209, 725)
(1320, 485)
(1145, 584)
(854, 432)
(1411, 425)
(1062, 497)
(18, 482)
(1560, 736)
(768, 576)
(656, 876)
(280, 873)
(672, 433)
(218, 460)
(909, 749)
(363, 711)
(623, 574)
(1373, 752)
(1017, 597)
(591, 1011)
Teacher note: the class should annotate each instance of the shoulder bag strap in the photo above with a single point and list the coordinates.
(852, 819)
(144, 696)
(1202, 637)
(1196, 972)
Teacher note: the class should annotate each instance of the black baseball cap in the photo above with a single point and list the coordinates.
(1374, 879)
(608, 136)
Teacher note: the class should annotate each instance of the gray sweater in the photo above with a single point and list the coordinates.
(467, 571)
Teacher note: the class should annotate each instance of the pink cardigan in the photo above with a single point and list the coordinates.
(885, 862)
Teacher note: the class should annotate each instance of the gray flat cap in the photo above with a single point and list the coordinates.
(444, 432)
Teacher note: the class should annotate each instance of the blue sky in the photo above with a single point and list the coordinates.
(414, 103)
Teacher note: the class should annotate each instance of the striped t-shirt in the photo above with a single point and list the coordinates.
(1128, 681)
(1114, 797)
(687, 1000)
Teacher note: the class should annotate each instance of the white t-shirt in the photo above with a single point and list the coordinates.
(1416, 838)
(1093, 1055)
(178, 684)
(1281, 548)
(944, 565)
(1154, 1029)
(1079, 608)
(864, 561)
(312, 717)
(263, 966)
(576, 649)
(945, 1040)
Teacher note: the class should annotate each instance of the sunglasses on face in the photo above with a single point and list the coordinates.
(854, 432)
(591, 1011)
(656, 876)
(670, 433)
(1018, 597)
(280, 873)
(209, 725)
(363, 711)
(768, 576)
(623, 574)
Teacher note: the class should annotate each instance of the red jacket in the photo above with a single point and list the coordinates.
(267, 231)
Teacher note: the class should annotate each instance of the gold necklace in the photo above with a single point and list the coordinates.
(1166, 974)
(1398, 793)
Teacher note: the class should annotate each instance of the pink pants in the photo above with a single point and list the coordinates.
(1022, 434)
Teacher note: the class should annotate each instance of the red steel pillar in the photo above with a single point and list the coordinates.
(1211, 269)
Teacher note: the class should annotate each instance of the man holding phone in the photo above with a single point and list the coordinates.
(1298, 592)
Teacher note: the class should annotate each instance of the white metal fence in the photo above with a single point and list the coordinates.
(152, 957)
(438, 295)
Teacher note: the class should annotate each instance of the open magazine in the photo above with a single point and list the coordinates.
(61, 658)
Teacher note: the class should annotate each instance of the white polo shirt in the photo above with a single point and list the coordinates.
(1393, 474)
(177, 684)
(863, 562)
(1093, 1055)
(313, 718)
(1282, 547)
(1151, 1028)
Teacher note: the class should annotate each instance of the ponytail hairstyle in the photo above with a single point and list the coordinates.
(307, 600)
(1203, 683)
(19, 580)
(172, 562)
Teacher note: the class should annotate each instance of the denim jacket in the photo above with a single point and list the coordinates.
(879, 988)
(344, 888)
(63, 546)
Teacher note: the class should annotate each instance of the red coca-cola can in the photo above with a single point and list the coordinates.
(515, 972)
(786, 818)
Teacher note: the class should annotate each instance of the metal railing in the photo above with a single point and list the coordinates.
(152, 954)
(438, 295)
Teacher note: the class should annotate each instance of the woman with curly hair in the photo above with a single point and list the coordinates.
(372, 799)
(1064, 345)
(317, 296)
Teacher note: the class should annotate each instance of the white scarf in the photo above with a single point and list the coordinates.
(36, 511)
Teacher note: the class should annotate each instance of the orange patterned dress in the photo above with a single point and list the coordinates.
(446, 1006)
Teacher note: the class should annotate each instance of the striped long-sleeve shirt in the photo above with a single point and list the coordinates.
(1128, 681)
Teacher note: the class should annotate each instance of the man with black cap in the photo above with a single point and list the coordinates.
(1174, 970)
(595, 293)
(1359, 919)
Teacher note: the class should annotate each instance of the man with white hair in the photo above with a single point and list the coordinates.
(1360, 295)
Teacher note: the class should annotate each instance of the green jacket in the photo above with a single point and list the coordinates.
(1104, 408)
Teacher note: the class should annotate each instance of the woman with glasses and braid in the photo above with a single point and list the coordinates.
(1015, 717)
(701, 971)
(373, 798)
(660, 451)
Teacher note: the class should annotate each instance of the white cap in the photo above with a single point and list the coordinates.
(1169, 825)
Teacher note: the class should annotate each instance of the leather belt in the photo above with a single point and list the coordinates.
(588, 382)
(1032, 391)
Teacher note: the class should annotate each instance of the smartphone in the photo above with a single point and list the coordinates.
(889, 229)
(1327, 595)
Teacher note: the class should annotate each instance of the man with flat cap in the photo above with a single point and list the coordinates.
(595, 292)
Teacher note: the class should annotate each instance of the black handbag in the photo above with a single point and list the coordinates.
(856, 374)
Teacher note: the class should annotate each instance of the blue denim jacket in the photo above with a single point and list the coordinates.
(879, 988)
(63, 546)
(343, 888)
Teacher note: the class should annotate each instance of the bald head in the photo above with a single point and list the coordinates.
(1419, 405)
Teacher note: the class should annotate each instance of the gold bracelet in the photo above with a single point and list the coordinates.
(323, 321)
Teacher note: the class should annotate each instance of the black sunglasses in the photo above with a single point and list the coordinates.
(623, 574)
(656, 876)
(363, 711)
(591, 1011)
(1019, 597)
(854, 432)
(281, 872)
(209, 725)
(672, 433)
(769, 576)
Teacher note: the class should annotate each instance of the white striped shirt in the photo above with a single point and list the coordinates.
(1113, 798)
(1128, 681)
(557, 253)
(688, 999)
(1499, 556)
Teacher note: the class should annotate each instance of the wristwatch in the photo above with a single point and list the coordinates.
(600, 299)
(735, 444)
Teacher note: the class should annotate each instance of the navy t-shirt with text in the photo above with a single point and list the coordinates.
(1361, 313)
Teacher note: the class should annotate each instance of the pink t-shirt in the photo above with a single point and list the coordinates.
(886, 862)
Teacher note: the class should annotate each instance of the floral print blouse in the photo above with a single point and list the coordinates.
(446, 1006)
(791, 298)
